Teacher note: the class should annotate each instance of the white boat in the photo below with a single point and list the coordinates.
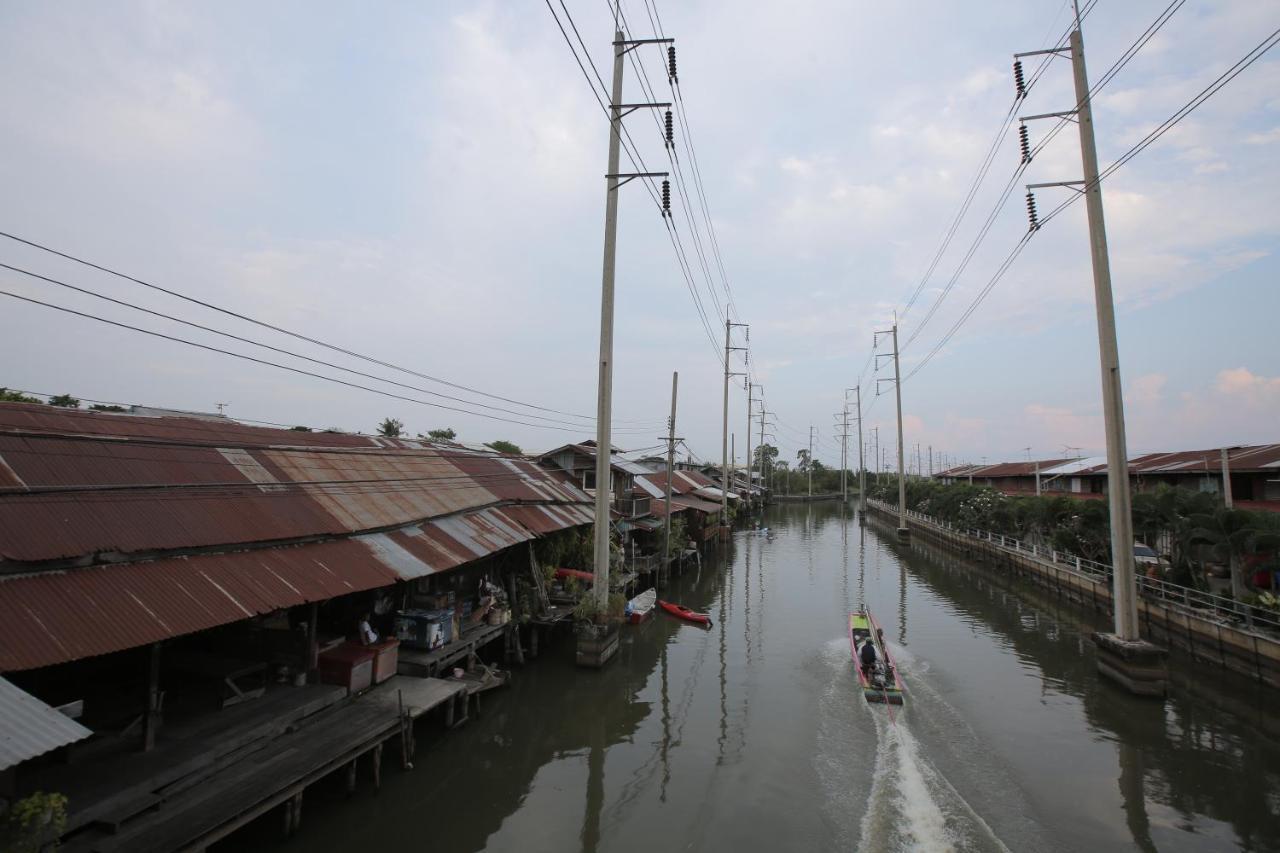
(641, 607)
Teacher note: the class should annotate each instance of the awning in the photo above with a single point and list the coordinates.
(31, 727)
(54, 617)
(689, 502)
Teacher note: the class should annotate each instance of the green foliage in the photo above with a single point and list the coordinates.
(36, 823)
(7, 396)
(64, 401)
(679, 534)
(589, 609)
(505, 447)
(391, 427)
(764, 455)
(445, 434)
(98, 407)
(1230, 535)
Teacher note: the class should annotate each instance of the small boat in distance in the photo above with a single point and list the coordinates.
(640, 608)
(681, 612)
(880, 681)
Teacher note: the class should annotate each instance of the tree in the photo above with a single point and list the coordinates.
(7, 396)
(64, 401)
(391, 427)
(1232, 534)
(98, 407)
(765, 454)
(300, 429)
(445, 434)
(504, 447)
(802, 457)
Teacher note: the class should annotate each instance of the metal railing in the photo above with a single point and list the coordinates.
(1184, 597)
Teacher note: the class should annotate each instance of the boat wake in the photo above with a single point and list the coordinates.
(910, 804)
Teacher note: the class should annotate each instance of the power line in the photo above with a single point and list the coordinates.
(637, 162)
(286, 367)
(239, 316)
(241, 339)
(1018, 171)
(1226, 77)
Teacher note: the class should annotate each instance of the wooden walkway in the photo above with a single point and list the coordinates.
(111, 789)
(178, 807)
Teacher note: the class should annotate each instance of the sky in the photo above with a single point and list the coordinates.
(423, 184)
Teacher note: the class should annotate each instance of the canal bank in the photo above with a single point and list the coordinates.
(1167, 615)
(752, 735)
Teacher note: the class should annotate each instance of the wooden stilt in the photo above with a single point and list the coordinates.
(377, 768)
(351, 777)
(151, 716)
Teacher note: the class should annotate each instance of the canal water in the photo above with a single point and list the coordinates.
(752, 735)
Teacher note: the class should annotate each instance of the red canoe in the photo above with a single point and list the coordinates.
(681, 612)
(575, 573)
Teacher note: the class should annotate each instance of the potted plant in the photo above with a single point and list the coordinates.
(596, 627)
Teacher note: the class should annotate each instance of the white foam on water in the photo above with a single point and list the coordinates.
(911, 805)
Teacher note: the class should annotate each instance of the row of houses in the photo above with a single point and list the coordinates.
(638, 490)
(1253, 473)
(146, 554)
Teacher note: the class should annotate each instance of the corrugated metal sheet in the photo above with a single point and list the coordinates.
(227, 493)
(688, 502)
(394, 509)
(650, 488)
(29, 727)
(53, 617)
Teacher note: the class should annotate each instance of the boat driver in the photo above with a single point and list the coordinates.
(867, 655)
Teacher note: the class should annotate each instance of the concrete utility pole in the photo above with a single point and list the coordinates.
(1226, 481)
(862, 464)
(810, 460)
(931, 461)
(762, 453)
(1126, 605)
(604, 394)
(1123, 656)
(724, 440)
(844, 455)
(671, 460)
(750, 384)
(876, 430)
(903, 531)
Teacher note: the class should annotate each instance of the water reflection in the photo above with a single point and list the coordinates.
(1180, 766)
(753, 737)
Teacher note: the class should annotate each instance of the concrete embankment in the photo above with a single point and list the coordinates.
(1204, 635)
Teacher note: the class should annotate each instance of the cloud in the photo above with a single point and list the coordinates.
(1147, 388)
(1266, 138)
(1244, 383)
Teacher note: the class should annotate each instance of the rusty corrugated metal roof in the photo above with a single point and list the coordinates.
(54, 617)
(221, 484)
(127, 488)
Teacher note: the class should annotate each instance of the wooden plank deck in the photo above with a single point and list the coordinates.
(428, 664)
(419, 695)
(248, 788)
(113, 788)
